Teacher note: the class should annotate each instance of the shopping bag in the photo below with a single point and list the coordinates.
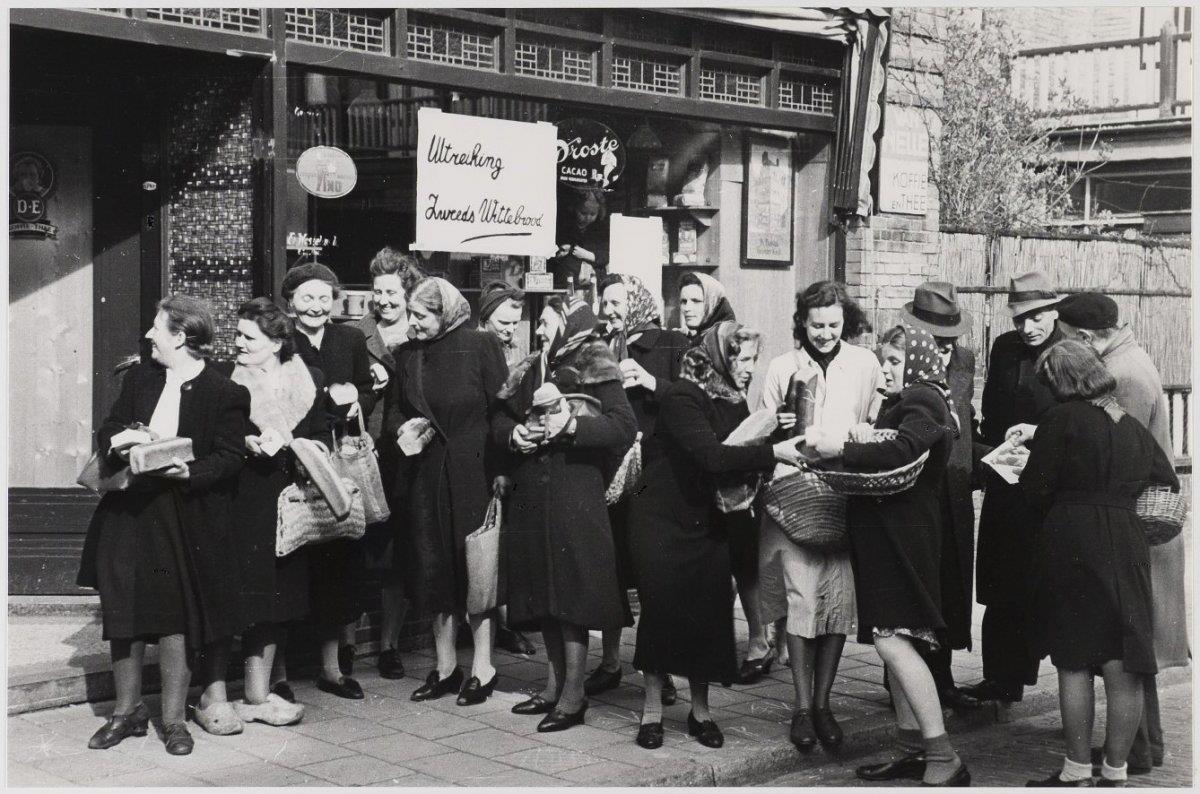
(100, 475)
(304, 518)
(483, 561)
(627, 474)
(355, 458)
(314, 458)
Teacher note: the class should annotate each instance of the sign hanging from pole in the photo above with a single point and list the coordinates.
(485, 186)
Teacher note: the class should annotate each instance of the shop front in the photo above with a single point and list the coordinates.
(718, 141)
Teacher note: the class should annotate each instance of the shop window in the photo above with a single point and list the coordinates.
(440, 42)
(806, 96)
(331, 28)
(642, 73)
(554, 60)
(235, 20)
(723, 85)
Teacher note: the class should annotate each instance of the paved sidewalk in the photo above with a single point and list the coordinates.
(388, 740)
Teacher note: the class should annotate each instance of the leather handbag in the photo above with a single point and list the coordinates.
(628, 473)
(355, 458)
(305, 518)
(483, 561)
(100, 475)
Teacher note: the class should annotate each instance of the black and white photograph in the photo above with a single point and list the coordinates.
(710, 394)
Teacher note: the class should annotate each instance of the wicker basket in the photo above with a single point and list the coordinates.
(1162, 512)
(808, 511)
(877, 483)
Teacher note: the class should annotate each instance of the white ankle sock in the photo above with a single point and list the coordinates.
(1114, 772)
(1074, 771)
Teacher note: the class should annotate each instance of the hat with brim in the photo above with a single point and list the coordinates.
(934, 308)
(1030, 292)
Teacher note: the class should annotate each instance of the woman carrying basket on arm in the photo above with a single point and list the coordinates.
(895, 543)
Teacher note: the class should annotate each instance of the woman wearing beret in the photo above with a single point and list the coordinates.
(340, 353)
(159, 552)
(449, 374)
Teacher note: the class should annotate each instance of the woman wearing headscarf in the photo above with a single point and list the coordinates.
(158, 552)
(1090, 586)
(896, 542)
(649, 357)
(560, 565)
(449, 373)
(702, 304)
(679, 541)
(340, 353)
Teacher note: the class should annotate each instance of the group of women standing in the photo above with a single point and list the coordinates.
(545, 433)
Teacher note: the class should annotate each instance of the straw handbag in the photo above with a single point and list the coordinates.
(483, 561)
(809, 512)
(627, 474)
(880, 483)
(355, 458)
(1162, 512)
(305, 518)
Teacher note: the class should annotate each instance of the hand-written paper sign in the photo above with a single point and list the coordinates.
(485, 186)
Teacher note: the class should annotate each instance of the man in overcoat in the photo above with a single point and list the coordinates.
(1093, 318)
(935, 308)
(1012, 395)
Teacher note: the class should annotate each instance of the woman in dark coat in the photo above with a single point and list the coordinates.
(679, 541)
(449, 374)
(559, 563)
(649, 358)
(287, 401)
(1090, 591)
(159, 552)
(336, 567)
(895, 548)
(702, 304)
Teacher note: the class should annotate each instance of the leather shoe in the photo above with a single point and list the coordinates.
(559, 720)
(601, 680)
(650, 735)
(752, 670)
(284, 690)
(474, 692)
(669, 693)
(1130, 768)
(346, 687)
(535, 705)
(707, 732)
(346, 655)
(515, 642)
(120, 727)
(801, 732)
(435, 687)
(988, 690)
(828, 731)
(958, 700)
(1054, 781)
(960, 779)
(908, 767)
(177, 740)
(390, 666)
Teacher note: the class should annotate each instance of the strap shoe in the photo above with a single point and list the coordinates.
(120, 727)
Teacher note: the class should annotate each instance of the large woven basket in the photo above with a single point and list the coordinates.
(809, 512)
(879, 483)
(1162, 512)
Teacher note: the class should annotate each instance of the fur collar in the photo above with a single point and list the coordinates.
(280, 401)
(590, 363)
(698, 368)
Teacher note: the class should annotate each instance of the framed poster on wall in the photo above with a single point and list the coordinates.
(767, 201)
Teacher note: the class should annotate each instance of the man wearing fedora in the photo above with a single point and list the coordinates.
(1093, 318)
(935, 308)
(1012, 395)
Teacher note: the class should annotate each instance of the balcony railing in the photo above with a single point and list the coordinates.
(1133, 78)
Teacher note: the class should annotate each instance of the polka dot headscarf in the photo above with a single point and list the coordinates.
(921, 359)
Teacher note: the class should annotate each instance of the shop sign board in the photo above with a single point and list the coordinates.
(904, 162)
(31, 183)
(590, 155)
(484, 186)
(326, 172)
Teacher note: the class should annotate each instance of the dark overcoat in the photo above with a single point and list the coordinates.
(1012, 394)
(557, 547)
(274, 589)
(159, 552)
(958, 522)
(659, 352)
(443, 492)
(379, 353)
(679, 541)
(1090, 592)
(896, 541)
(336, 568)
